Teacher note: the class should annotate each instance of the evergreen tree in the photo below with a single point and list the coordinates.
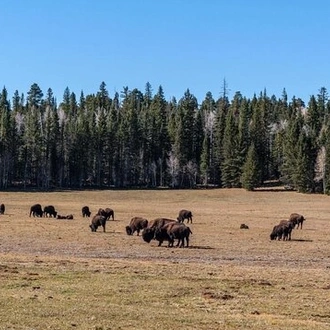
(231, 164)
(35, 96)
(251, 175)
(217, 145)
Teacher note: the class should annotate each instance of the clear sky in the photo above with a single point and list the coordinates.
(178, 44)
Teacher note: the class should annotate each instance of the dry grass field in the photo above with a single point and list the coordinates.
(57, 274)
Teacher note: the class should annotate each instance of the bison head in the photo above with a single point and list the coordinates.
(273, 236)
(129, 230)
(148, 234)
(92, 227)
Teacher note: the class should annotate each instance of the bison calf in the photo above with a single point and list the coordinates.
(136, 224)
(97, 221)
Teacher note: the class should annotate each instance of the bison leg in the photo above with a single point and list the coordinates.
(187, 241)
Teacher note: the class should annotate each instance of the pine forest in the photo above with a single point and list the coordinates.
(137, 139)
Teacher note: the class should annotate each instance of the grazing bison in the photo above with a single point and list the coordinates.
(2, 209)
(185, 214)
(277, 232)
(282, 231)
(86, 212)
(136, 224)
(171, 231)
(36, 210)
(97, 221)
(288, 226)
(149, 233)
(50, 211)
(297, 218)
(107, 213)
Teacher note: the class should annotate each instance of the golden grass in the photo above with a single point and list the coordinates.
(57, 274)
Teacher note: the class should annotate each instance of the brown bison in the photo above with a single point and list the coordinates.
(136, 224)
(172, 231)
(297, 218)
(97, 221)
(36, 210)
(288, 226)
(66, 217)
(277, 232)
(85, 211)
(107, 213)
(149, 233)
(282, 231)
(2, 209)
(185, 214)
(49, 211)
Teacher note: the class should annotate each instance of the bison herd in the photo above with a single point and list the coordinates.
(159, 229)
(283, 230)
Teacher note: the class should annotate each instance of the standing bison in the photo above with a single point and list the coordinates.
(85, 211)
(36, 210)
(97, 221)
(2, 209)
(172, 231)
(136, 224)
(49, 211)
(185, 214)
(149, 233)
(297, 218)
(107, 213)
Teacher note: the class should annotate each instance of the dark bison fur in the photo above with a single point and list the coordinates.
(2, 209)
(288, 226)
(149, 233)
(277, 232)
(85, 211)
(36, 210)
(282, 231)
(107, 213)
(97, 221)
(65, 217)
(136, 224)
(185, 214)
(244, 226)
(297, 218)
(172, 231)
(50, 211)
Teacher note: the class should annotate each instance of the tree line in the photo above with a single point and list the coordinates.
(140, 139)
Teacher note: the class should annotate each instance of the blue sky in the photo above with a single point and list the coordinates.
(177, 44)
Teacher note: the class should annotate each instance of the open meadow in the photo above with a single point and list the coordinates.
(57, 274)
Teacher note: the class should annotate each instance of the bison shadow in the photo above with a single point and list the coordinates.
(301, 240)
(201, 247)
